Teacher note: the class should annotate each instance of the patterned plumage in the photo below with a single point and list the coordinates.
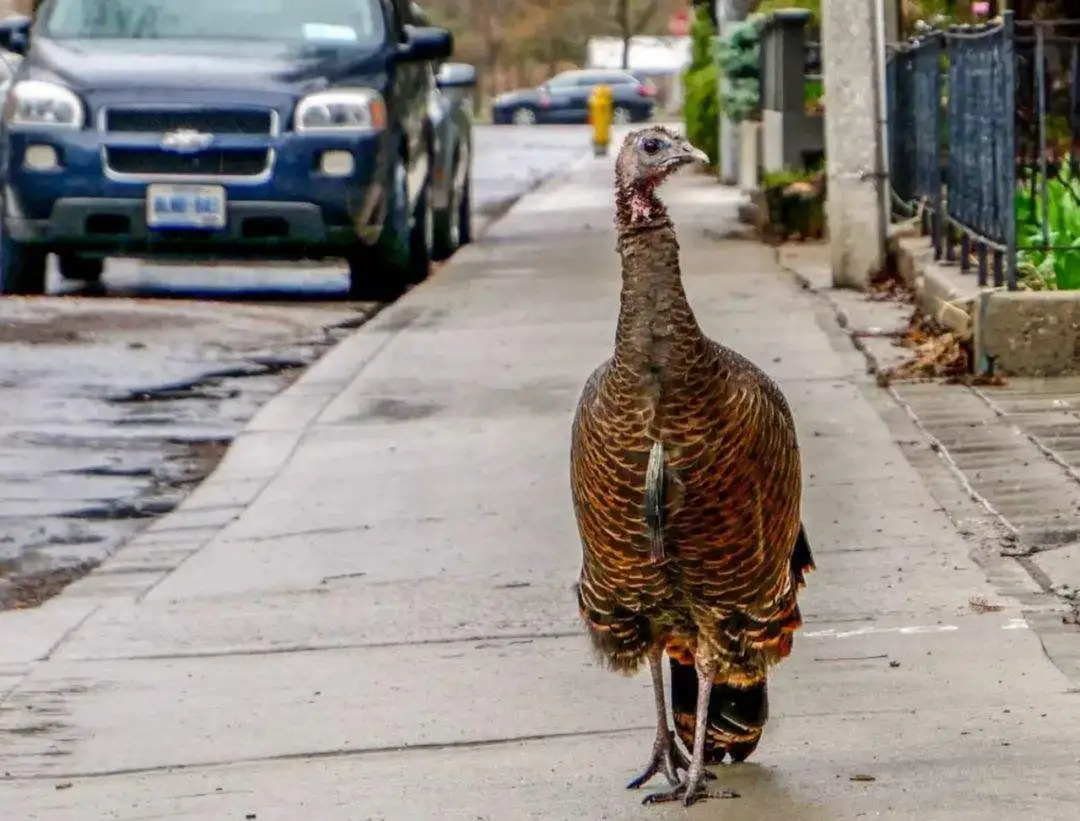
(686, 482)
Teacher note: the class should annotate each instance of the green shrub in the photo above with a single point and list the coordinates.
(701, 80)
(738, 55)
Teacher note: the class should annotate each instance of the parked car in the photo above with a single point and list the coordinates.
(236, 129)
(565, 99)
(9, 63)
(451, 179)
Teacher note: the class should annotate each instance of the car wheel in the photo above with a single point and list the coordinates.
(421, 240)
(82, 269)
(451, 225)
(524, 116)
(402, 256)
(22, 268)
(622, 116)
(465, 213)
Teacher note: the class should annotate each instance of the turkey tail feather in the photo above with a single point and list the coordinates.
(802, 559)
(736, 715)
(655, 493)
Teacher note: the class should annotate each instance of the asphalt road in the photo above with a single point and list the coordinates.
(117, 403)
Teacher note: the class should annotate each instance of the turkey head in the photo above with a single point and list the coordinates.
(647, 158)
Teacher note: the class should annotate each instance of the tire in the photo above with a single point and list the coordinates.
(421, 240)
(402, 256)
(452, 226)
(81, 269)
(523, 116)
(465, 235)
(22, 268)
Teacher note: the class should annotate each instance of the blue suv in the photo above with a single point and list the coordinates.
(194, 129)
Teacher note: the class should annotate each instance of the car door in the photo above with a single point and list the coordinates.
(412, 85)
(579, 98)
(557, 100)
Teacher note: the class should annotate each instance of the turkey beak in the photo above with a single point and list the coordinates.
(693, 155)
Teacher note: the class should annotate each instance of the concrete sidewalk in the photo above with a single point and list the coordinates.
(366, 612)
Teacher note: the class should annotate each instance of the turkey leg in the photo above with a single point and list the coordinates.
(665, 755)
(693, 786)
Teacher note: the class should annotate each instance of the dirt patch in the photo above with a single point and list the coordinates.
(115, 413)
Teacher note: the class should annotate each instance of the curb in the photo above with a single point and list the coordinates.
(1045, 616)
(251, 462)
(875, 366)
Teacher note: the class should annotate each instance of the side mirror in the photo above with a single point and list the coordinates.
(15, 34)
(456, 75)
(426, 43)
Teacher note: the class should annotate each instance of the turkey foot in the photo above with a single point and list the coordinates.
(689, 791)
(693, 787)
(666, 757)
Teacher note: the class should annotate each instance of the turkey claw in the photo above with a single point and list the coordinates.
(666, 757)
(688, 796)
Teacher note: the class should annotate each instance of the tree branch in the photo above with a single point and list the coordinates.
(646, 16)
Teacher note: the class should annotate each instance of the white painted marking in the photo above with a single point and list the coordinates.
(911, 630)
(867, 631)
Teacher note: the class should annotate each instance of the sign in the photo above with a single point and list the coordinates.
(185, 206)
(679, 23)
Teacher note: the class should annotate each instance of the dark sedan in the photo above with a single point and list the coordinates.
(565, 99)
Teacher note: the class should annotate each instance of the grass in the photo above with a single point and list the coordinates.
(1049, 258)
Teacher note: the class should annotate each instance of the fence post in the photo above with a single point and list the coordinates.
(1008, 138)
(937, 44)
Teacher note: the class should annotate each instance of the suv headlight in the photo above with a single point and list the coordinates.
(353, 109)
(37, 102)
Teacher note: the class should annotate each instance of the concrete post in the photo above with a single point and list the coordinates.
(854, 108)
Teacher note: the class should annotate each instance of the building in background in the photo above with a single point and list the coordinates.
(660, 59)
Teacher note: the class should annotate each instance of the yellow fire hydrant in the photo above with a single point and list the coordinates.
(601, 107)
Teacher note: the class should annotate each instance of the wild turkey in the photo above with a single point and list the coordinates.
(686, 482)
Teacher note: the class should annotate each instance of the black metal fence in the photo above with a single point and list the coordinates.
(952, 144)
(984, 142)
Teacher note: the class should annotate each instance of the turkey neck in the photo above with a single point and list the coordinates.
(657, 331)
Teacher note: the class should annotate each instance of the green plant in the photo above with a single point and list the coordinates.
(813, 6)
(738, 58)
(1049, 258)
(794, 202)
(701, 105)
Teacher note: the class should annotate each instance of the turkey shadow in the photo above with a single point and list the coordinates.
(764, 793)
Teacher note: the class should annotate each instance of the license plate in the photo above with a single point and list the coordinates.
(185, 206)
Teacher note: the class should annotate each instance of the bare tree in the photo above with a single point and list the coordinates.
(633, 18)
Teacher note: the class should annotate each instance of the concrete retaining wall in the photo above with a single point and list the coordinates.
(1021, 333)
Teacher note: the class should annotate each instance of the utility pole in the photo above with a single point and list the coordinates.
(728, 11)
(853, 56)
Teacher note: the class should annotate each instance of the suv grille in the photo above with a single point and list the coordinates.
(244, 162)
(218, 121)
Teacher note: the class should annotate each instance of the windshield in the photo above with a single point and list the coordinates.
(344, 22)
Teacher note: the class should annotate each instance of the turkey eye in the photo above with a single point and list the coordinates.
(650, 145)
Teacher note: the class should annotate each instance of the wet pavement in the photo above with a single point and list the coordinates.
(117, 403)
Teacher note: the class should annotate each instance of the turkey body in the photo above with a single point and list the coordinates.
(714, 576)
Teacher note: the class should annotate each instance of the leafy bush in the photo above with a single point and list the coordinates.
(701, 105)
(738, 55)
(1056, 268)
